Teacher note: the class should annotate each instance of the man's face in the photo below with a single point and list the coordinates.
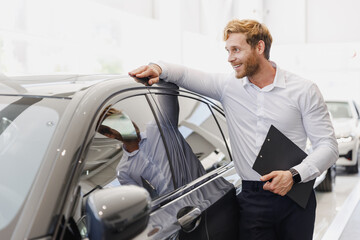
(109, 132)
(241, 56)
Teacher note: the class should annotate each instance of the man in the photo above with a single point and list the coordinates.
(145, 159)
(257, 95)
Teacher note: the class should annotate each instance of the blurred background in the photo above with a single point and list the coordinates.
(318, 39)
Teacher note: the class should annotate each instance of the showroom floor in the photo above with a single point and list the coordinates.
(338, 212)
(352, 229)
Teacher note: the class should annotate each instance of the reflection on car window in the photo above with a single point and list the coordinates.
(202, 133)
(339, 109)
(183, 162)
(199, 144)
(138, 154)
(158, 141)
(22, 148)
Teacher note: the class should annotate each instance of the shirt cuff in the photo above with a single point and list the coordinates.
(164, 69)
(303, 171)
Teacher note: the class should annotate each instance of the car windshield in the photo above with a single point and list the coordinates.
(339, 109)
(27, 125)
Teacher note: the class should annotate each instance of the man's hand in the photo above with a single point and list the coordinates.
(151, 71)
(281, 182)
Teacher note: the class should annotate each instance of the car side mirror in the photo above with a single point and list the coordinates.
(117, 213)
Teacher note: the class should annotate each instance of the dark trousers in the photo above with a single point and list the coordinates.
(265, 216)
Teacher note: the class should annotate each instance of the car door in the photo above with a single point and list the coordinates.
(207, 202)
(156, 140)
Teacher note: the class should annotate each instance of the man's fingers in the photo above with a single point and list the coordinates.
(147, 71)
(267, 177)
(267, 186)
(153, 80)
(281, 182)
(138, 70)
(144, 71)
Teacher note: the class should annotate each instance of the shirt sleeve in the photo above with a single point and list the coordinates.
(168, 105)
(122, 173)
(319, 129)
(125, 179)
(207, 84)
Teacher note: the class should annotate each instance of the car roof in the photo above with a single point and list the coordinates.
(62, 86)
(339, 100)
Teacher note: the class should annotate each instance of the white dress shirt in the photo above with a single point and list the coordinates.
(149, 162)
(292, 104)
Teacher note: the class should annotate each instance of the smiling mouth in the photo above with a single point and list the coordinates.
(236, 66)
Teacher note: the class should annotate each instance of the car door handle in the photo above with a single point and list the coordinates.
(189, 218)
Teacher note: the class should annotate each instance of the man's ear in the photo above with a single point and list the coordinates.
(260, 47)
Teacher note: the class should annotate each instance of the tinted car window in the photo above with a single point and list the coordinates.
(200, 135)
(184, 164)
(202, 131)
(180, 140)
(129, 145)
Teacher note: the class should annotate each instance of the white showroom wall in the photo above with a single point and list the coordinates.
(317, 39)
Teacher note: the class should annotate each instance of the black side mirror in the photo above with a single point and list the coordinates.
(117, 213)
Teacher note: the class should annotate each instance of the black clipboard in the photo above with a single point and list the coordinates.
(150, 188)
(279, 153)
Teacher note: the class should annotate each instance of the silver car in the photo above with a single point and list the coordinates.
(100, 157)
(346, 121)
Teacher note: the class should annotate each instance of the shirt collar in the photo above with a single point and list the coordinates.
(133, 153)
(279, 80)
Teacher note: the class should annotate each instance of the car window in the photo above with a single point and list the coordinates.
(199, 137)
(339, 109)
(178, 140)
(204, 132)
(184, 163)
(128, 149)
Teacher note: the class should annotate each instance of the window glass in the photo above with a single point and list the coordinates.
(201, 130)
(339, 109)
(198, 140)
(158, 141)
(184, 164)
(128, 149)
(26, 129)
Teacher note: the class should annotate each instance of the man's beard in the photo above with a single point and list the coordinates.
(251, 66)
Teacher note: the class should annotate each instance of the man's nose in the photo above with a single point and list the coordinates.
(231, 58)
